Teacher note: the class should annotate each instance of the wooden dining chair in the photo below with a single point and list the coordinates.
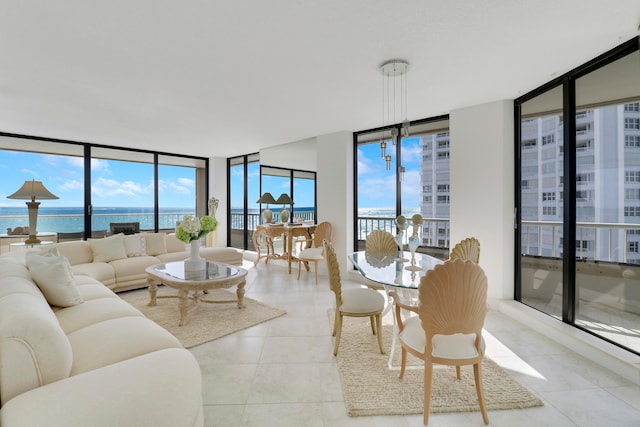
(315, 253)
(467, 249)
(352, 302)
(448, 328)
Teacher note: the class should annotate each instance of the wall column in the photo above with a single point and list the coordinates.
(482, 189)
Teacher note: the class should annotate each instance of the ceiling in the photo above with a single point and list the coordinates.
(223, 78)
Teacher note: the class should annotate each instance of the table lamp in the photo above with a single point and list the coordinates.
(284, 199)
(32, 190)
(267, 215)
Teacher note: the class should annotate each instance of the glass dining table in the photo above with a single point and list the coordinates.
(390, 272)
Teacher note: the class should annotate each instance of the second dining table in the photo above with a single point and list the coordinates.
(289, 231)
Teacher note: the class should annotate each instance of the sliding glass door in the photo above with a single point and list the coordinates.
(578, 198)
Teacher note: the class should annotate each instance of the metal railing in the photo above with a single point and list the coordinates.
(75, 222)
(435, 231)
(599, 241)
(596, 240)
(253, 219)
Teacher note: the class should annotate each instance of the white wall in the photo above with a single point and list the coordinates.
(299, 155)
(335, 191)
(218, 189)
(482, 192)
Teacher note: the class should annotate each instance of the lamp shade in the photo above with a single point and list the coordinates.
(266, 198)
(284, 199)
(32, 190)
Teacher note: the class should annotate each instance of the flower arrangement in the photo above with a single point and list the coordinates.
(193, 228)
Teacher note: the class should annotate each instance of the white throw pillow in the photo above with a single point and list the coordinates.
(156, 243)
(135, 245)
(173, 244)
(108, 249)
(52, 273)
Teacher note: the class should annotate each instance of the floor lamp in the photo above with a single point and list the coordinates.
(32, 190)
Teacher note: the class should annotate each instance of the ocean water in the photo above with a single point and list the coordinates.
(70, 219)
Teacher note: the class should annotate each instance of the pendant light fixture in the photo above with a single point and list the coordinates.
(394, 105)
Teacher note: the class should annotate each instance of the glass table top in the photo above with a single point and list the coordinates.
(212, 270)
(389, 271)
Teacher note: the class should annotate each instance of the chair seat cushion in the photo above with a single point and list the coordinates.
(361, 300)
(456, 346)
(311, 254)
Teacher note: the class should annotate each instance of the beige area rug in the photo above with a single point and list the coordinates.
(370, 388)
(205, 322)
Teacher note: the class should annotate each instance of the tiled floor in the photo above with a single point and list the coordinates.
(282, 373)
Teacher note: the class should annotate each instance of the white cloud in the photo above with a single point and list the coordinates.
(103, 187)
(71, 185)
(34, 174)
(180, 186)
(186, 182)
(96, 164)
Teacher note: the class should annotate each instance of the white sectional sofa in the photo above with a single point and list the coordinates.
(72, 353)
(119, 261)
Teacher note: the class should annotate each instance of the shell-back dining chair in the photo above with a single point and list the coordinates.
(352, 302)
(448, 328)
(467, 249)
(315, 253)
(380, 249)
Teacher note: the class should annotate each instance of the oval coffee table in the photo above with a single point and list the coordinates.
(193, 285)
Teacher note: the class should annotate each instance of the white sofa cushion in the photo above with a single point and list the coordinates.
(114, 340)
(135, 245)
(174, 244)
(159, 389)
(109, 248)
(52, 273)
(76, 251)
(156, 243)
(132, 269)
(95, 311)
(101, 271)
(34, 351)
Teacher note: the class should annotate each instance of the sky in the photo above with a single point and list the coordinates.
(114, 183)
(303, 189)
(130, 184)
(377, 186)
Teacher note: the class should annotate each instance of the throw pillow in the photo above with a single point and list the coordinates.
(52, 273)
(108, 249)
(135, 245)
(173, 244)
(156, 244)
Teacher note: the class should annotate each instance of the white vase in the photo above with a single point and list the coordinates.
(414, 242)
(194, 262)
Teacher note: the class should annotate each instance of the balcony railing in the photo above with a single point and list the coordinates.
(253, 219)
(435, 231)
(75, 222)
(604, 241)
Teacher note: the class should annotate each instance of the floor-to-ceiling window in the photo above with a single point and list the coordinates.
(579, 197)
(416, 184)
(97, 185)
(276, 181)
(181, 189)
(60, 168)
(248, 181)
(122, 188)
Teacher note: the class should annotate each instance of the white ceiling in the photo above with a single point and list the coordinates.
(223, 77)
